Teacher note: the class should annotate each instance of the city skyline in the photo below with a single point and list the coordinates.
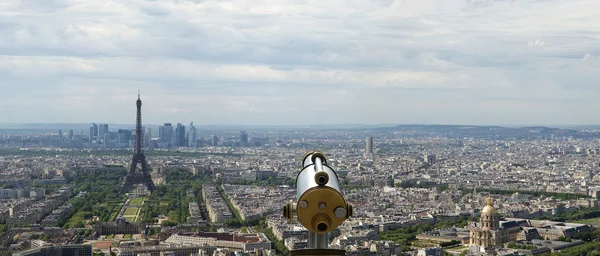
(113, 126)
(437, 61)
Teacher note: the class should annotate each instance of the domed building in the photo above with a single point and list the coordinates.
(119, 226)
(488, 231)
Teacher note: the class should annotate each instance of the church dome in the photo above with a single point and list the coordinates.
(489, 208)
(120, 220)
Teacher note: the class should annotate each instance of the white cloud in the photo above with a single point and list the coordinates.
(590, 57)
(537, 42)
(447, 61)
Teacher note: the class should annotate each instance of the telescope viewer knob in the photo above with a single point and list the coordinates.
(288, 211)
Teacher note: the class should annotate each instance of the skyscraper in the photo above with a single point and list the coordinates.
(60, 134)
(369, 146)
(243, 137)
(180, 135)
(95, 127)
(192, 135)
(107, 140)
(102, 129)
(148, 137)
(70, 134)
(161, 133)
(214, 141)
(168, 133)
(91, 134)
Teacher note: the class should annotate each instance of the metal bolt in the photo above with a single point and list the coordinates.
(340, 212)
(303, 204)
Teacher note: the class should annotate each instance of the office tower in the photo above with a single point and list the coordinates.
(60, 134)
(148, 137)
(243, 137)
(95, 127)
(369, 145)
(102, 129)
(91, 134)
(106, 140)
(128, 134)
(192, 135)
(70, 134)
(161, 133)
(121, 137)
(167, 133)
(214, 141)
(180, 135)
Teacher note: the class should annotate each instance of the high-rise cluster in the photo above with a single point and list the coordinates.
(176, 137)
(121, 138)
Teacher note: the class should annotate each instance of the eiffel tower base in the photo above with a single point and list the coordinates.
(131, 180)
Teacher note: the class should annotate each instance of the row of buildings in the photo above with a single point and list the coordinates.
(195, 215)
(218, 211)
(253, 202)
(33, 211)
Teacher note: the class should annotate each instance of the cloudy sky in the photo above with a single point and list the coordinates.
(301, 61)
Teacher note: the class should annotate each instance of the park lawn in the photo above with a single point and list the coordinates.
(77, 217)
(129, 218)
(137, 201)
(588, 221)
(114, 215)
(131, 211)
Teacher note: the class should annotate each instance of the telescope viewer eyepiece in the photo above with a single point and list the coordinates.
(321, 178)
(321, 208)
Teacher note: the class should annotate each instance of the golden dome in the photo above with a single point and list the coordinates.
(489, 208)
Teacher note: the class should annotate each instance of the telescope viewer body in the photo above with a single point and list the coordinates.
(320, 206)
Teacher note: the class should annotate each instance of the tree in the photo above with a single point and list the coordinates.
(79, 224)
(451, 243)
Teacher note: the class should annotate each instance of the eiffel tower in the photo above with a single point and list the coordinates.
(133, 177)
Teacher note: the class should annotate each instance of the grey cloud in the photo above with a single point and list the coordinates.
(259, 61)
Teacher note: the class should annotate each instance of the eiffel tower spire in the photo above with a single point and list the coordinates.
(138, 127)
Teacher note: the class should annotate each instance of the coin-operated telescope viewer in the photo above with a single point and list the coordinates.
(320, 206)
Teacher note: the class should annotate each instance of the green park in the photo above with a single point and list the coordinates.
(103, 202)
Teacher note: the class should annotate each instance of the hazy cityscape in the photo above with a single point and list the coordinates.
(416, 189)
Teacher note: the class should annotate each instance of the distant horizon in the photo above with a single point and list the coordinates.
(233, 125)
